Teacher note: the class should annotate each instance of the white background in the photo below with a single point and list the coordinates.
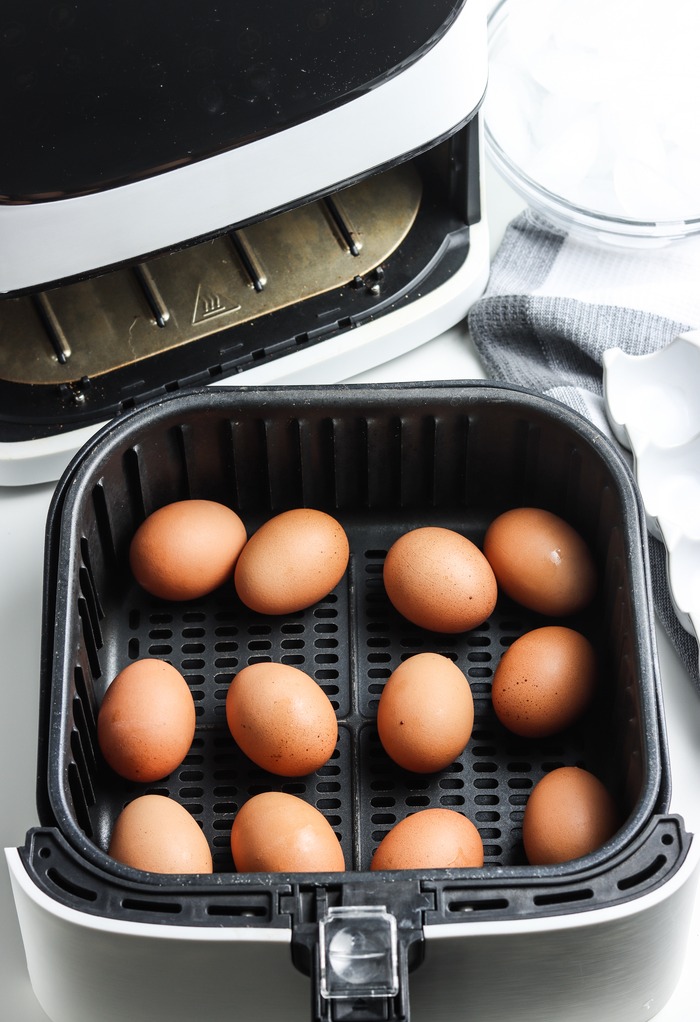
(22, 520)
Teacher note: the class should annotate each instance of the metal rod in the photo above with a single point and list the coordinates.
(248, 256)
(153, 296)
(344, 224)
(59, 341)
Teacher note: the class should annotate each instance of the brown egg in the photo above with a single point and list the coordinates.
(146, 722)
(426, 713)
(569, 813)
(186, 549)
(544, 681)
(274, 832)
(157, 834)
(292, 561)
(439, 580)
(540, 561)
(281, 719)
(430, 839)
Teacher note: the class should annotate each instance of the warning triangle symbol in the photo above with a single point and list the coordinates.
(209, 304)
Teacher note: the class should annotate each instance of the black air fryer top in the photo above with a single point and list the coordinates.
(95, 95)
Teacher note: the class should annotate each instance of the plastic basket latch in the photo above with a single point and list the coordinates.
(361, 966)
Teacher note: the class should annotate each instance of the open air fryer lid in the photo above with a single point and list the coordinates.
(137, 129)
(98, 96)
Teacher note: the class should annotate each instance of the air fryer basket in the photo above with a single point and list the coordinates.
(382, 459)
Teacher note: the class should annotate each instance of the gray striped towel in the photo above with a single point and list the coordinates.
(554, 303)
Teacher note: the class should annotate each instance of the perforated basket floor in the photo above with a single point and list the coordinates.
(349, 643)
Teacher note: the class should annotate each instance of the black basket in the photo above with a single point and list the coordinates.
(382, 459)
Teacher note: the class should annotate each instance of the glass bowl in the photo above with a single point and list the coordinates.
(592, 114)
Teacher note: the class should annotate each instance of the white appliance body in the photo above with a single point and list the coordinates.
(617, 963)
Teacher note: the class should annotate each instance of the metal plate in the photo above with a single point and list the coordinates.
(99, 325)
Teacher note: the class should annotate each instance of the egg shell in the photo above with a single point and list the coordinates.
(146, 721)
(439, 580)
(275, 832)
(157, 834)
(541, 561)
(430, 839)
(281, 719)
(292, 561)
(544, 681)
(425, 714)
(186, 549)
(569, 813)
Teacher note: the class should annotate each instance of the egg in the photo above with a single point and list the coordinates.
(430, 839)
(439, 580)
(540, 561)
(292, 561)
(274, 832)
(146, 721)
(157, 834)
(281, 718)
(425, 713)
(186, 549)
(544, 681)
(569, 813)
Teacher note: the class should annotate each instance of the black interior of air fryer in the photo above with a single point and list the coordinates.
(382, 459)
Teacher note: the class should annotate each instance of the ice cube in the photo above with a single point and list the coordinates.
(562, 162)
(683, 174)
(526, 31)
(569, 73)
(511, 106)
(647, 193)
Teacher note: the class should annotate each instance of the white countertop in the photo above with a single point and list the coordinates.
(22, 519)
